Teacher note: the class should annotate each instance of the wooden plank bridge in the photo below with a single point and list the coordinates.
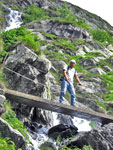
(35, 101)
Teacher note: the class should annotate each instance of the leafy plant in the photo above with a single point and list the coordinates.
(20, 34)
(6, 144)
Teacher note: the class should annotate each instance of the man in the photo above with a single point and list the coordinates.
(67, 82)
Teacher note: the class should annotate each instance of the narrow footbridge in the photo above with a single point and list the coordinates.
(35, 101)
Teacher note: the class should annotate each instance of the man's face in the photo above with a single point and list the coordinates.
(72, 64)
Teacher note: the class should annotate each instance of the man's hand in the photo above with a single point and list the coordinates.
(66, 78)
(79, 83)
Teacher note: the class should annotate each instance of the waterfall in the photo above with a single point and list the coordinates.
(13, 19)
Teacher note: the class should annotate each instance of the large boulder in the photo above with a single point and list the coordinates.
(7, 131)
(62, 131)
(27, 73)
(25, 69)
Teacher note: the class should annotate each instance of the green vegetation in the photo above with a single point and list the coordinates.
(102, 36)
(84, 148)
(61, 14)
(13, 121)
(45, 146)
(23, 35)
(34, 13)
(6, 144)
(66, 15)
(108, 79)
(3, 79)
(93, 54)
(93, 124)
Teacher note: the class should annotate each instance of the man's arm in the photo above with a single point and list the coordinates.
(65, 75)
(78, 80)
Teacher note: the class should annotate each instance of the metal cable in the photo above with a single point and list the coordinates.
(25, 77)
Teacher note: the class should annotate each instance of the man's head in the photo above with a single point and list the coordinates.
(72, 63)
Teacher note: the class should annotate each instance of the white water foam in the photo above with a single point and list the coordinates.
(13, 19)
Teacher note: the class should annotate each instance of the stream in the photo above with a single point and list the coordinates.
(14, 20)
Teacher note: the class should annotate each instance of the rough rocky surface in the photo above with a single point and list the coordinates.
(7, 131)
(2, 99)
(63, 30)
(98, 139)
(31, 78)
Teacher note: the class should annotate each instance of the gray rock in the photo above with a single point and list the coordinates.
(97, 71)
(63, 131)
(59, 29)
(7, 131)
(59, 64)
(111, 61)
(98, 139)
(88, 62)
(33, 80)
(107, 68)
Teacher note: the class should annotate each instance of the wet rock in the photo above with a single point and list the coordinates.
(62, 131)
(7, 131)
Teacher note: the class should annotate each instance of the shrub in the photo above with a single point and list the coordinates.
(20, 34)
(6, 144)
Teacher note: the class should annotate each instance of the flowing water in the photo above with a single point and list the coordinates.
(14, 20)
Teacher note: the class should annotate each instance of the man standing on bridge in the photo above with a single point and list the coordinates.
(67, 82)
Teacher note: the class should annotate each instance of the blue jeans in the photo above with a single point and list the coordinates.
(67, 86)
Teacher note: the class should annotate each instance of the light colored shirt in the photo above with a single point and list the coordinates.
(71, 72)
